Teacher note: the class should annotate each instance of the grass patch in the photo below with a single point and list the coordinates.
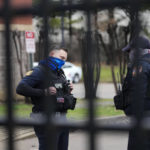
(21, 110)
(24, 110)
(106, 73)
(95, 100)
(100, 111)
(104, 100)
(2, 110)
(107, 111)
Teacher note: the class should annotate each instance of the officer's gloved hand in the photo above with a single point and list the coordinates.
(70, 102)
(50, 91)
(70, 86)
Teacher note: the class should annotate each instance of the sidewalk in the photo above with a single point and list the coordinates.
(104, 90)
(19, 133)
(23, 133)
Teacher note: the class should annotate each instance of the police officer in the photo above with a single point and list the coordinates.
(40, 83)
(137, 82)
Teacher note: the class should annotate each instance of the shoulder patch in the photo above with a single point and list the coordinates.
(29, 73)
(135, 71)
(140, 69)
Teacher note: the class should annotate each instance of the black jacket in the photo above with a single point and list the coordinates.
(137, 86)
(36, 81)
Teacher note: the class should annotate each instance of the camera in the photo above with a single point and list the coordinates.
(64, 99)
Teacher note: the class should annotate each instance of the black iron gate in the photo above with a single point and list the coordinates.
(47, 7)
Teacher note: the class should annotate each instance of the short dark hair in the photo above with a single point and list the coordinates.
(57, 47)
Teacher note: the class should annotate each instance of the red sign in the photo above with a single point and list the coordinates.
(30, 35)
(30, 42)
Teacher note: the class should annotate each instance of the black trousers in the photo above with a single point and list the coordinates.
(59, 140)
(138, 141)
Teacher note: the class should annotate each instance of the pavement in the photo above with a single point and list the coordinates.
(105, 140)
(79, 139)
(23, 133)
(19, 133)
(104, 90)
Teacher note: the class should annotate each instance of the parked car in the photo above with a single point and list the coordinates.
(35, 64)
(72, 72)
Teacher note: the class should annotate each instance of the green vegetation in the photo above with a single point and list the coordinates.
(24, 110)
(100, 111)
(106, 73)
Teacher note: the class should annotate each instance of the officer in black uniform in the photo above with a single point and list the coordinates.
(47, 80)
(142, 46)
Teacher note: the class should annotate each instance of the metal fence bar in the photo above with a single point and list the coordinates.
(48, 126)
(8, 81)
(137, 103)
(58, 7)
(90, 82)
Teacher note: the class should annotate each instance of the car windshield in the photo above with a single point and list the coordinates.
(67, 65)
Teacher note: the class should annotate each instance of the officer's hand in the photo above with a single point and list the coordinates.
(50, 91)
(71, 87)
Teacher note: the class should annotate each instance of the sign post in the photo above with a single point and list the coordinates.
(30, 45)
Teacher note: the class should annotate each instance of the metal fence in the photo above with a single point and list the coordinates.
(47, 7)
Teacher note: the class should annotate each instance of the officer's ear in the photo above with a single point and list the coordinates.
(51, 53)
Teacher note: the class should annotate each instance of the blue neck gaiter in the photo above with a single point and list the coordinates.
(53, 63)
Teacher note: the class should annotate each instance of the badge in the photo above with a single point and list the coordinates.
(29, 73)
(140, 69)
(134, 72)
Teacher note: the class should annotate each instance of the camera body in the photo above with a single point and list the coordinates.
(64, 99)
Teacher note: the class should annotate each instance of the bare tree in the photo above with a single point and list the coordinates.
(90, 55)
(16, 35)
(117, 39)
